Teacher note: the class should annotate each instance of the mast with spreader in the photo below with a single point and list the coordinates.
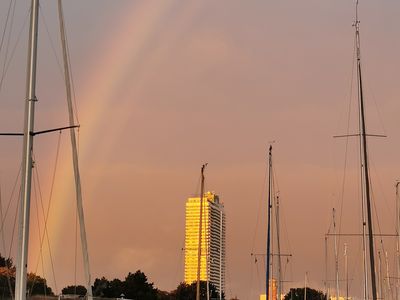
(27, 161)
(366, 201)
(269, 207)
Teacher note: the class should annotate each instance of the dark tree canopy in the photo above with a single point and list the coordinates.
(36, 285)
(188, 291)
(135, 286)
(298, 294)
(74, 290)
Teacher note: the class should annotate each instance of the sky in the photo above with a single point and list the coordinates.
(164, 86)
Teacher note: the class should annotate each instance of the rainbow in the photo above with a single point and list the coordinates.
(115, 60)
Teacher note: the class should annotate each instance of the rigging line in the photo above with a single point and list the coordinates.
(285, 228)
(260, 202)
(229, 280)
(382, 191)
(251, 278)
(68, 59)
(2, 229)
(11, 197)
(353, 266)
(8, 40)
(46, 216)
(13, 50)
(347, 138)
(71, 75)
(179, 264)
(40, 259)
(13, 231)
(51, 42)
(371, 93)
(4, 247)
(258, 275)
(76, 246)
(376, 216)
(5, 26)
(79, 142)
(275, 177)
(197, 190)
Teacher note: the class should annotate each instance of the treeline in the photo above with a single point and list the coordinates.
(136, 286)
(133, 286)
(36, 285)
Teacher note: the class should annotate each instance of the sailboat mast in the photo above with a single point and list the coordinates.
(27, 162)
(326, 267)
(365, 170)
(380, 275)
(346, 271)
(280, 287)
(389, 291)
(200, 232)
(78, 189)
(305, 286)
(398, 237)
(336, 255)
(269, 222)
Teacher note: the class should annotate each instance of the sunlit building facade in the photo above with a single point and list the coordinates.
(212, 266)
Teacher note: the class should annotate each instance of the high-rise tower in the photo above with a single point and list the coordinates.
(212, 265)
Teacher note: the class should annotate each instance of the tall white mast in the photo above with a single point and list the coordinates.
(280, 288)
(346, 271)
(269, 204)
(336, 256)
(366, 203)
(78, 189)
(398, 238)
(380, 276)
(27, 163)
(389, 291)
(220, 253)
(305, 286)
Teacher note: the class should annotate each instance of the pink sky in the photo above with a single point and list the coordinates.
(164, 86)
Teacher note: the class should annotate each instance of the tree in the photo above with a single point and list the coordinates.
(109, 289)
(135, 286)
(7, 277)
(188, 291)
(162, 295)
(298, 294)
(74, 290)
(37, 285)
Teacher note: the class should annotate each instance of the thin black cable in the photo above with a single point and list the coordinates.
(4, 247)
(51, 42)
(260, 202)
(5, 26)
(13, 230)
(14, 50)
(40, 259)
(347, 141)
(11, 197)
(8, 40)
(46, 215)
